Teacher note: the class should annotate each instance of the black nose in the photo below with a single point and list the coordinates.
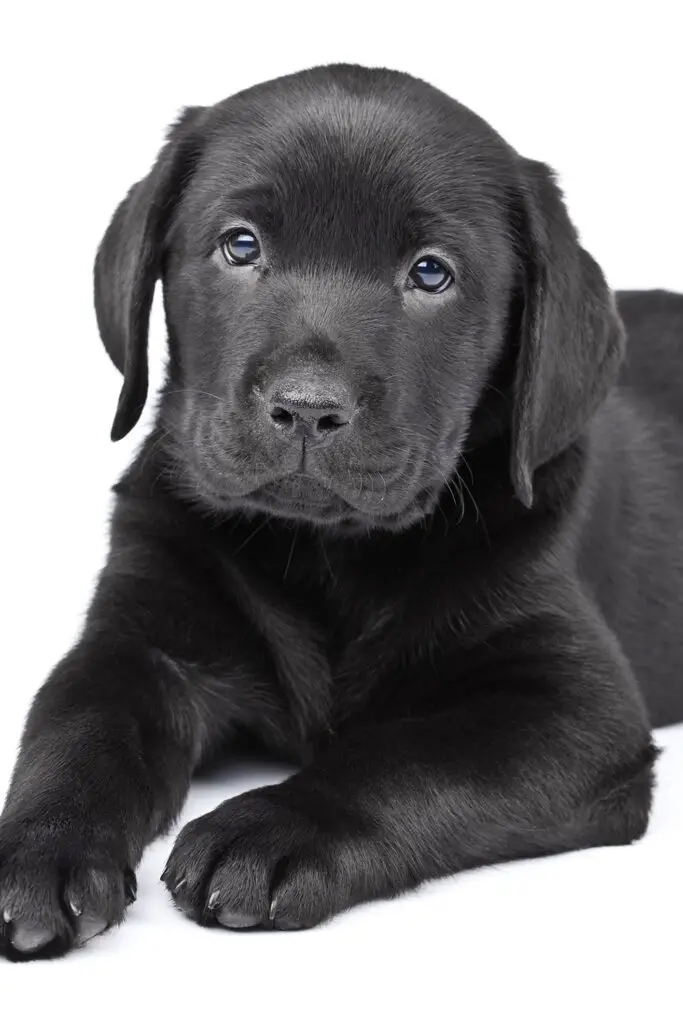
(304, 409)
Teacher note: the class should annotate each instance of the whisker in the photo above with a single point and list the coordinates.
(291, 552)
(480, 518)
(251, 537)
(327, 562)
(194, 391)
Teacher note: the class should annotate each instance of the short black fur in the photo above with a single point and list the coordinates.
(427, 547)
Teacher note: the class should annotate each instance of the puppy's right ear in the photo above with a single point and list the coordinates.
(128, 263)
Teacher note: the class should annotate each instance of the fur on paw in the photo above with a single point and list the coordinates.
(55, 892)
(264, 860)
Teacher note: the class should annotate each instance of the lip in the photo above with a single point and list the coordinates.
(305, 498)
(390, 495)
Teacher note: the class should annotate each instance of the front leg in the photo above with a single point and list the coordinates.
(548, 750)
(99, 772)
(110, 745)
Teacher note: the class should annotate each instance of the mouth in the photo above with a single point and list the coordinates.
(307, 498)
(390, 498)
(299, 496)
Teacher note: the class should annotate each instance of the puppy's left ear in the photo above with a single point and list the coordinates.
(572, 340)
(129, 260)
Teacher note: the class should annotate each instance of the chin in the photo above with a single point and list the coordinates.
(298, 498)
(305, 499)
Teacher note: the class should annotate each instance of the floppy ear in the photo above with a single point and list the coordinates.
(128, 264)
(572, 339)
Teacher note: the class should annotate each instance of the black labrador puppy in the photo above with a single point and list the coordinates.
(406, 518)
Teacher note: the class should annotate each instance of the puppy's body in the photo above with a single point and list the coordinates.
(424, 541)
(632, 543)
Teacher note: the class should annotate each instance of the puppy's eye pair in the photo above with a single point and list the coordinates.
(241, 248)
(430, 275)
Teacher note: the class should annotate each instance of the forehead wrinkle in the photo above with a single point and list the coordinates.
(214, 203)
(256, 207)
(378, 222)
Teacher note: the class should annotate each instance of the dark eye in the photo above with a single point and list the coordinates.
(430, 275)
(241, 247)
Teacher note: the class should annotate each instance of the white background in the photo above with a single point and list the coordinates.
(595, 90)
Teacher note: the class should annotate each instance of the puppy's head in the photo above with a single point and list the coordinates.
(350, 259)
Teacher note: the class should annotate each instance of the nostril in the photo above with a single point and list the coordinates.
(332, 421)
(281, 416)
(316, 415)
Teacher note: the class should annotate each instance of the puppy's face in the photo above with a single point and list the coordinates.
(351, 262)
(336, 284)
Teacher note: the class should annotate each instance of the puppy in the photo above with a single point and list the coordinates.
(406, 518)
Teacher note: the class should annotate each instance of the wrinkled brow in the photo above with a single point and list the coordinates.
(207, 213)
(206, 217)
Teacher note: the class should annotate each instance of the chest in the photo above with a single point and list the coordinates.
(345, 642)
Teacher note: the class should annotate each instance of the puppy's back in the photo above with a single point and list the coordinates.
(654, 357)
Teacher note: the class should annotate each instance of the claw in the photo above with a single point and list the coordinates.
(75, 909)
(6, 916)
(283, 923)
(214, 898)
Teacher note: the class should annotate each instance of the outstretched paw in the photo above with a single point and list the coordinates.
(263, 860)
(57, 890)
